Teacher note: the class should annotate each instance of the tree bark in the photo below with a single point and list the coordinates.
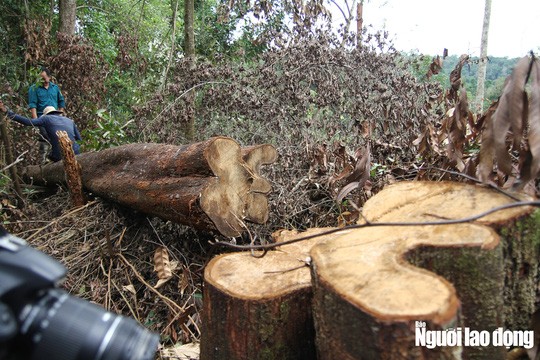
(368, 296)
(204, 185)
(371, 285)
(359, 22)
(72, 169)
(67, 16)
(14, 175)
(189, 52)
(482, 65)
(172, 50)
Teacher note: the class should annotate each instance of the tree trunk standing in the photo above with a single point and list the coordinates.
(10, 160)
(482, 65)
(260, 308)
(67, 16)
(173, 46)
(359, 22)
(189, 28)
(189, 52)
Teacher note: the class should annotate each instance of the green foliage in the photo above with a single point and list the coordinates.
(107, 133)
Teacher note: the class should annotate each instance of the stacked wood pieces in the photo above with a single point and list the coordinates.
(206, 185)
(371, 287)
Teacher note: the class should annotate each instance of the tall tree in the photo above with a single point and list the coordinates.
(68, 10)
(189, 28)
(174, 7)
(189, 52)
(482, 65)
(359, 22)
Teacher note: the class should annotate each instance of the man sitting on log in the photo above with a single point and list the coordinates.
(51, 121)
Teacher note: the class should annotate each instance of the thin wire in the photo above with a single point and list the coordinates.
(266, 247)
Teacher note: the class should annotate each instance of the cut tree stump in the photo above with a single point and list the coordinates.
(204, 185)
(259, 308)
(368, 295)
(370, 285)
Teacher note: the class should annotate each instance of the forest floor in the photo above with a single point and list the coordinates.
(109, 255)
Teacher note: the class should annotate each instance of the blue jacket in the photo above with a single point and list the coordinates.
(52, 124)
(39, 98)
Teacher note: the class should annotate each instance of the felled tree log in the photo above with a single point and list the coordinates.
(256, 202)
(259, 308)
(204, 185)
(368, 296)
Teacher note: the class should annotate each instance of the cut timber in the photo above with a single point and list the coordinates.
(256, 156)
(72, 170)
(368, 296)
(257, 203)
(259, 308)
(204, 185)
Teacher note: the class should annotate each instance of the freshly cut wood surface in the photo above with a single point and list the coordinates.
(259, 308)
(368, 268)
(256, 156)
(433, 201)
(367, 276)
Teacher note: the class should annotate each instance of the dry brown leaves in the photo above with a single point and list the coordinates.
(112, 260)
(510, 140)
(507, 135)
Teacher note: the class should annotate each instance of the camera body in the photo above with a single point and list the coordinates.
(38, 320)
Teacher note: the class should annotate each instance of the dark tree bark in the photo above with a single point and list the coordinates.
(68, 10)
(259, 308)
(14, 175)
(370, 285)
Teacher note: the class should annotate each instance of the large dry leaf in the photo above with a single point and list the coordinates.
(359, 176)
(534, 119)
(485, 164)
(456, 128)
(162, 266)
(509, 115)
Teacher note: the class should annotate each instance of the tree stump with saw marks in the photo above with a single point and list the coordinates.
(368, 295)
(204, 185)
(259, 308)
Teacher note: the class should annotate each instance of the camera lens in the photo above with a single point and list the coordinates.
(62, 327)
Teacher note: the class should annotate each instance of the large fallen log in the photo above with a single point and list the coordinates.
(204, 185)
(374, 289)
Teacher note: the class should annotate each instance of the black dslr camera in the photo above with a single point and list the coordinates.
(40, 321)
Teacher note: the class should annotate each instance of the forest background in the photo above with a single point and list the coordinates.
(347, 112)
